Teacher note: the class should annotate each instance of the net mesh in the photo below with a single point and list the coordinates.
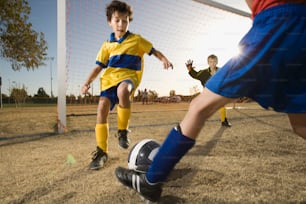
(181, 30)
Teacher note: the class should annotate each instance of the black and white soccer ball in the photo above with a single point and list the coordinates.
(142, 154)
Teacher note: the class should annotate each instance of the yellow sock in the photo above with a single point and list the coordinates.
(102, 135)
(123, 117)
(222, 114)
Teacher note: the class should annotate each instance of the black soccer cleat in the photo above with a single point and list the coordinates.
(137, 181)
(123, 139)
(225, 123)
(98, 159)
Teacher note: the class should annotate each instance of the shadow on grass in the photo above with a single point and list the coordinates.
(263, 120)
(18, 139)
(186, 174)
(205, 149)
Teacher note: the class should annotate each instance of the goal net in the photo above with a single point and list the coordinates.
(181, 30)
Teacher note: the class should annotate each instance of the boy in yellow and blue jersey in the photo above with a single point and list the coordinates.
(121, 59)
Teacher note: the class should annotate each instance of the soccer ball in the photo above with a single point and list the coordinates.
(142, 154)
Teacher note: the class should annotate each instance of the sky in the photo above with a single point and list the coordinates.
(180, 29)
(44, 19)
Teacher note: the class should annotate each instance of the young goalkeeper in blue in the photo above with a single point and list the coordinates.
(271, 70)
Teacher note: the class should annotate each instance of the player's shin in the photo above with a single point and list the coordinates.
(124, 115)
(102, 132)
(169, 154)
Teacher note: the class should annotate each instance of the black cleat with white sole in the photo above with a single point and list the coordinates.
(137, 181)
(123, 139)
(98, 159)
(225, 123)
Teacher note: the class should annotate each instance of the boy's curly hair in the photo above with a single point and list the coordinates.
(119, 6)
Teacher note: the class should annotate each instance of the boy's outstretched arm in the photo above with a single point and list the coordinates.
(93, 74)
(162, 58)
(189, 65)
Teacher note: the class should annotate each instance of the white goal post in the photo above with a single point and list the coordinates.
(224, 7)
(61, 65)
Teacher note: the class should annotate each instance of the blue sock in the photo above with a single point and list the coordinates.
(169, 154)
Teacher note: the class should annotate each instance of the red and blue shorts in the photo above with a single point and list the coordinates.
(271, 68)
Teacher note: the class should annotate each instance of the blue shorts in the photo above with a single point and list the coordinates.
(111, 94)
(271, 68)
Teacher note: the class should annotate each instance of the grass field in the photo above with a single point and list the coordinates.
(257, 160)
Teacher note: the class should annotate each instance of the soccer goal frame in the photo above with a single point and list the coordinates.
(63, 57)
(224, 7)
(61, 66)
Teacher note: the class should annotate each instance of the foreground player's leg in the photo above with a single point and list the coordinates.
(171, 151)
(298, 123)
(177, 144)
(138, 182)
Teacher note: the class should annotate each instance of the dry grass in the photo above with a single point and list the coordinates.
(258, 160)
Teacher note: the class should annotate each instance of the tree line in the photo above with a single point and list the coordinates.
(19, 96)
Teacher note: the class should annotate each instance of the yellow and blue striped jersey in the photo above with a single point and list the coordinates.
(122, 59)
